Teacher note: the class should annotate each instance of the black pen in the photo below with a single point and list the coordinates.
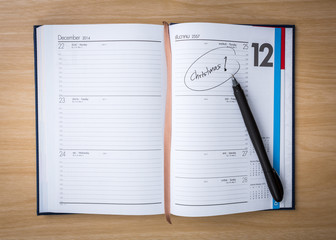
(272, 178)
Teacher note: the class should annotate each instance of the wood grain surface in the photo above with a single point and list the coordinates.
(315, 215)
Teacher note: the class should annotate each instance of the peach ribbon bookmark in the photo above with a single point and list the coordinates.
(167, 128)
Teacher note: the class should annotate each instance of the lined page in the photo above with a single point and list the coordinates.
(108, 103)
(213, 162)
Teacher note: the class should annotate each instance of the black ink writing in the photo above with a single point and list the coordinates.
(203, 69)
(225, 60)
(207, 72)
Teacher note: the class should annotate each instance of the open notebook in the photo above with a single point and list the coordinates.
(140, 119)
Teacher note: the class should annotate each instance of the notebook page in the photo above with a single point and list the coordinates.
(104, 107)
(287, 167)
(214, 167)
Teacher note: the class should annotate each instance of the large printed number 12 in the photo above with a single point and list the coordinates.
(265, 62)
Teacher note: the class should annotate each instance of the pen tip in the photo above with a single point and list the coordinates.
(234, 81)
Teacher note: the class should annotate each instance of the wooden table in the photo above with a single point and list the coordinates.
(315, 216)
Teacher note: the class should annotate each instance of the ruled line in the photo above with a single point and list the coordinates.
(123, 40)
(149, 203)
(205, 205)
